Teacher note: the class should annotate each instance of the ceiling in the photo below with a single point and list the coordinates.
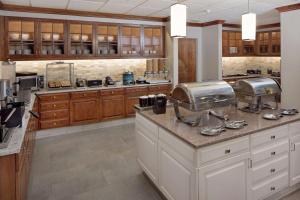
(198, 10)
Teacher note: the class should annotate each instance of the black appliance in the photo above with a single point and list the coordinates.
(12, 114)
(94, 83)
(109, 81)
(80, 82)
(160, 104)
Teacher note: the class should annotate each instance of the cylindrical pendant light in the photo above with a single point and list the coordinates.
(178, 20)
(249, 26)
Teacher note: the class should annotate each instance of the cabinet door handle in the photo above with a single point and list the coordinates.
(293, 147)
(54, 105)
(273, 137)
(54, 123)
(272, 188)
(84, 94)
(227, 151)
(273, 153)
(272, 170)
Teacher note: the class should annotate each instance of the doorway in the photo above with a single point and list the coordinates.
(187, 52)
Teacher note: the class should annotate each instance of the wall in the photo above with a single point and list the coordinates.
(90, 69)
(239, 65)
(211, 48)
(290, 63)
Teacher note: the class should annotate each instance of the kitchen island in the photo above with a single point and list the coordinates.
(260, 161)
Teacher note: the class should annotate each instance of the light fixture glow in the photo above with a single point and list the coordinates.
(178, 20)
(249, 26)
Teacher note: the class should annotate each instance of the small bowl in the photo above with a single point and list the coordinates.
(14, 36)
(25, 36)
(85, 38)
(110, 38)
(56, 37)
(100, 38)
(75, 37)
(46, 36)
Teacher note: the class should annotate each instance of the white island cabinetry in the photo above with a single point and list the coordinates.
(258, 166)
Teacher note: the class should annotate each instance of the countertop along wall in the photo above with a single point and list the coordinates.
(239, 65)
(90, 69)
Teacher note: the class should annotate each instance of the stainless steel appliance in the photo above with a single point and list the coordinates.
(5, 92)
(257, 94)
(201, 96)
(27, 81)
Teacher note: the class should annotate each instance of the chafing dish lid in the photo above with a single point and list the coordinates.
(203, 95)
(258, 87)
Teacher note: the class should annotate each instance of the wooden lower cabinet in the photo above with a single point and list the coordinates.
(112, 107)
(15, 168)
(84, 107)
(84, 111)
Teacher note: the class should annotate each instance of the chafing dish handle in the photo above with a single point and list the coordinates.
(176, 108)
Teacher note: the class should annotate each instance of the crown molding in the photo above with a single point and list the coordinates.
(29, 9)
(211, 23)
(265, 26)
(289, 8)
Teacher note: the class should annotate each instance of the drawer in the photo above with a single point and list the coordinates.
(57, 114)
(136, 89)
(54, 106)
(54, 97)
(224, 149)
(54, 123)
(270, 151)
(158, 88)
(269, 136)
(112, 92)
(84, 95)
(294, 128)
(270, 168)
(270, 187)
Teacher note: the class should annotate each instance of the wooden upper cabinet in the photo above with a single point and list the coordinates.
(153, 42)
(21, 38)
(232, 43)
(81, 37)
(248, 48)
(263, 43)
(52, 38)
(275, 43)
(107, 40)
(131, 41)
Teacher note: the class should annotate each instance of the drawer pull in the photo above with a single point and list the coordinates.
(273, 137)
(273, 153)
(272, 188)
(54, 105)
(54, 123)
(227, 151)
(112, 92)
(272, 170)
(54, 114)
(84, 95)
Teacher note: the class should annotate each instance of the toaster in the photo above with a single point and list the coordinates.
(94, 83)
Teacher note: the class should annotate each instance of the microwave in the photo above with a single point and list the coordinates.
(27, 81)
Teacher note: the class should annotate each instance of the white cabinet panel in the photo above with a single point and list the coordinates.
(295, 160)
(226, 180)
(147, 155)
(176, 181)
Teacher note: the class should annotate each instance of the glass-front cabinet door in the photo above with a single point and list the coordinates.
(52, 36)
(107, 40)
(263, 43)
(131, 41)
(81, 40)
(21, 37)
(275, 43)
(153, 45)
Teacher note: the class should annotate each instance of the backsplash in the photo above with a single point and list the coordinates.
(90, 69)
(239, 65)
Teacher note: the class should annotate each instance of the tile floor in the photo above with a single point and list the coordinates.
(97, 164)
(92, 165)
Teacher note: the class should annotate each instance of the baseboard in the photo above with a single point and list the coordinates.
(75, 129)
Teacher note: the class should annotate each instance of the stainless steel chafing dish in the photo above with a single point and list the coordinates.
(201, 96)
(258, 93)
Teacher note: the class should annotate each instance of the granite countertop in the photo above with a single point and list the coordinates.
(192, 136)
(80, 89)
(17, 134)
